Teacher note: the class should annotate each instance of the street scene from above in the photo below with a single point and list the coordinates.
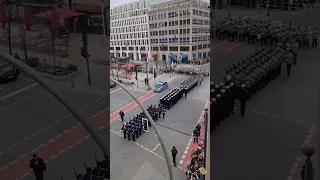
(40, 138)
(263, 122)
(139, 156)
(161, 55)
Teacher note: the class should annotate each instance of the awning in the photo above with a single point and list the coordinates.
(61, 13)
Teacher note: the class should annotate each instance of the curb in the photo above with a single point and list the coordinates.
(58, 78)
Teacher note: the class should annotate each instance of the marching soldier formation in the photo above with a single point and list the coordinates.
(247, 77)
(251, 31)
(136, 126)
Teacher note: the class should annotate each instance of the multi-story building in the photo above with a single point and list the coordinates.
(179, 30)
(129, 35)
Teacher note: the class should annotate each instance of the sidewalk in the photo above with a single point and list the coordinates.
(152, 81)
(98, 73)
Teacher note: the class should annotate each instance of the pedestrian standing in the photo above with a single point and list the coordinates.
(185, 92)
(121, 114)
(174, 153)
(289, 61)
(243, 97)
(195, 135)
(315, 35)
(38, 166)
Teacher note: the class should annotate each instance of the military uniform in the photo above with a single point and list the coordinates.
(315, 35)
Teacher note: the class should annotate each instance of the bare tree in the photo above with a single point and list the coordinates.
(7, 26)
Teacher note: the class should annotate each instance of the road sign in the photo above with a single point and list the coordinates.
(202, 170)
(145, 125)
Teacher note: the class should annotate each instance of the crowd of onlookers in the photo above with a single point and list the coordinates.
(196, 162)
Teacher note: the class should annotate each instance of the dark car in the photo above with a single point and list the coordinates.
(7, 71)
(112, 84)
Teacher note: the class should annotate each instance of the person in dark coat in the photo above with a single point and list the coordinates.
(243, 97)
(38, 166)
(174, 153)
(121, 114)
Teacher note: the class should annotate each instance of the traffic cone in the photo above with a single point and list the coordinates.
(73, 84)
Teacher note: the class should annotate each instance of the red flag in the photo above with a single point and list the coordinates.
(28, 21)
(3, 18)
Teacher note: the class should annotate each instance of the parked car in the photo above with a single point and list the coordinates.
(112, 84)
(7, 71)
(161, 86)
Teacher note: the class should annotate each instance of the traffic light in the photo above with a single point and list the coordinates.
(83, 52)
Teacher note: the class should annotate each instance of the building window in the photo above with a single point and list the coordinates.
(117, 48)
(184, 48)
(173, 48)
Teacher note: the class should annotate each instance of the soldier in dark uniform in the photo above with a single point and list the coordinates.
(225, 103)
(243, 97)
(185, 92)
(124, 130)
(232, 97)
(215, 114)
(221, 110)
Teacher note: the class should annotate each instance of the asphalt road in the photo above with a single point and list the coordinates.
(32, 120)
(266, 143)
(127, 158)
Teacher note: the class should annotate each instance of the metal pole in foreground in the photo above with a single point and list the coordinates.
(205, 138)
(52, 90)
(166, 155)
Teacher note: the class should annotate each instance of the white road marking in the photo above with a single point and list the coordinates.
(156, 147)
(20, 101)
(238, 44)
(115, 90)
(145, 148)
(46, 128)
(18, 91)
(2, 89)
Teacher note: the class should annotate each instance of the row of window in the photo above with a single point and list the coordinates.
(180, 40)
(138, 35)
(129, 14)
(130, 42)
(130, 48)
(128, 22)
(162, 48)
(181, 23)
(128, 7)
(181, 13)
(181, 4)
(182, 31)
(128, 29)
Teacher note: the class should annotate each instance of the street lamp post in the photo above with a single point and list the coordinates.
(60, 97)
(163, 146)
